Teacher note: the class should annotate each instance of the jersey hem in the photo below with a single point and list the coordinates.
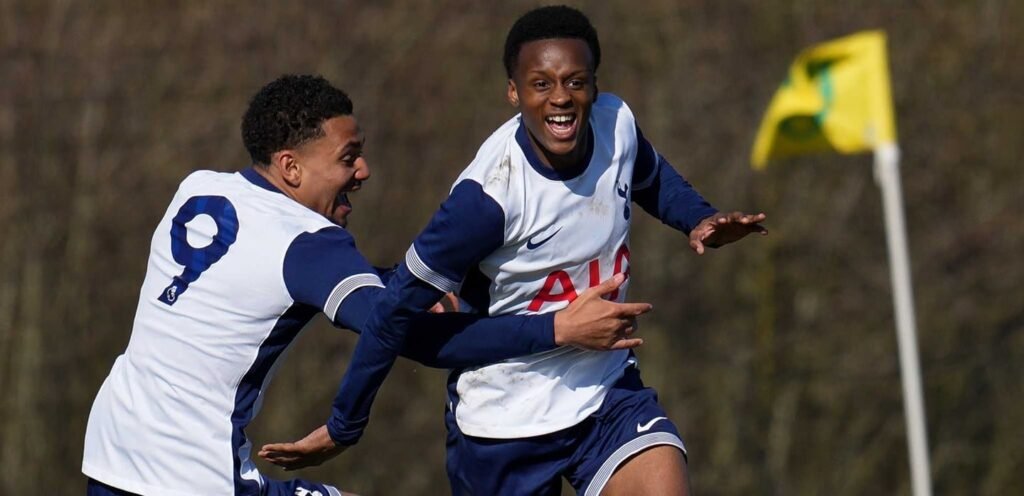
(131, 486)
(502, 432)
(518, 431)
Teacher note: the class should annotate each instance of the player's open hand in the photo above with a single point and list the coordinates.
(593, 323)
(310, 451)
(724, 228)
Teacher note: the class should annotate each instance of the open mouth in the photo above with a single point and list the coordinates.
(340, 210)
(562, 127)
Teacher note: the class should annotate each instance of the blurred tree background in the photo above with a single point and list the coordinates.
(776, 357)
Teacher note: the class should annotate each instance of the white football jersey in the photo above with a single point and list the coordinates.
(555, 235)
(236, 269)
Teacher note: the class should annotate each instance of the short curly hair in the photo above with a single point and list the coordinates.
(288, 112)
(551, 22)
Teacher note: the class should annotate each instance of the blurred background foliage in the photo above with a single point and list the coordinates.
(776, 357)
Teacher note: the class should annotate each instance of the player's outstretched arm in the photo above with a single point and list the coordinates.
(724, 228)
(465, 340)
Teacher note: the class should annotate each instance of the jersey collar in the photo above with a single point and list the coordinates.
(254, 177)
(556, 175)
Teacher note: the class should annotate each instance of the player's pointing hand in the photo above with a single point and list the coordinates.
(593, 323)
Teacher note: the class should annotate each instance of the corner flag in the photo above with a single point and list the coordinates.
(836, 98)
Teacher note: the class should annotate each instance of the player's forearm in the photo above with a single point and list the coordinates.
(672, 200)
(454, 340)
(350, 411)
(382, 338)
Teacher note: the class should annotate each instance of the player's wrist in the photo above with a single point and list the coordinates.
(559, 328)
(342, 435)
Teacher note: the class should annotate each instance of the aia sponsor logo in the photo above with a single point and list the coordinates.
(559, 286)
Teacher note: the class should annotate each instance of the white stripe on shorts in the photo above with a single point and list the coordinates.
(627, 450)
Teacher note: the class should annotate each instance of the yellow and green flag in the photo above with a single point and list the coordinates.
(836, 98)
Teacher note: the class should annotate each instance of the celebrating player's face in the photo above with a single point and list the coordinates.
(554, 87)
(332, 166)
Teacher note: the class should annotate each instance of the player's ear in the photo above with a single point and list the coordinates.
(288, 166)
(513, 94)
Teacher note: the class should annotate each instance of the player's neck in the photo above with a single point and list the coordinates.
(562, 163)
(277, 182)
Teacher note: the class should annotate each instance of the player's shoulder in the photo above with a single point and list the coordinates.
(200, 178)
(330, 235)
(612, 119)
(332, 241)
(611, 106)
(493, 150)
(212, 183)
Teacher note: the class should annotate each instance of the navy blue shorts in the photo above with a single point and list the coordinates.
(271, 487)
(586, 454)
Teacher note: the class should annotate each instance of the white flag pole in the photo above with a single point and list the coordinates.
(887, 174)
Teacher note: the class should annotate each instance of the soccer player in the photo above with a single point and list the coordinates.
(541, 213)
(238, 265)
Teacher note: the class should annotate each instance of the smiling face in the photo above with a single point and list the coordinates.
(554, 86)
(324, 170)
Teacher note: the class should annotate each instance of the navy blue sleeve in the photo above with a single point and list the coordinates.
(385, 273)
(455, 340)
(322, 268)
(469, 226)
(663, 193)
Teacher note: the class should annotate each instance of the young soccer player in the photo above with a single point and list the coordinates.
(238, 265)
(541, 213)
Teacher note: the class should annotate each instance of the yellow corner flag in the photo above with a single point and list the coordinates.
(836, 98)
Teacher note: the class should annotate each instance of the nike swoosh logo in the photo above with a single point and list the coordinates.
(531, 245)
(650, 423)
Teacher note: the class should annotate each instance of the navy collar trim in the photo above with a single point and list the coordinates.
(255, 178)
(523, 138)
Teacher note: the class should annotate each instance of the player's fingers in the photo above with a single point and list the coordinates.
(632, 309)
(453, 302)
(281, 461)
(697, 246)
(625, 344)
(277, 448)
(278, 454)
(608, 285)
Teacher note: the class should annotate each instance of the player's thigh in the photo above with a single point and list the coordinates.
(657, 471)
(629, 426)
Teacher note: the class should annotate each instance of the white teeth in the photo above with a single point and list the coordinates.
(560, 118)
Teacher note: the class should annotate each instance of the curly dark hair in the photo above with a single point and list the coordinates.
(551, 22)
(289, 112)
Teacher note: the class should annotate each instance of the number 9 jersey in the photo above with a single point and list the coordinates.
(236, 269)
